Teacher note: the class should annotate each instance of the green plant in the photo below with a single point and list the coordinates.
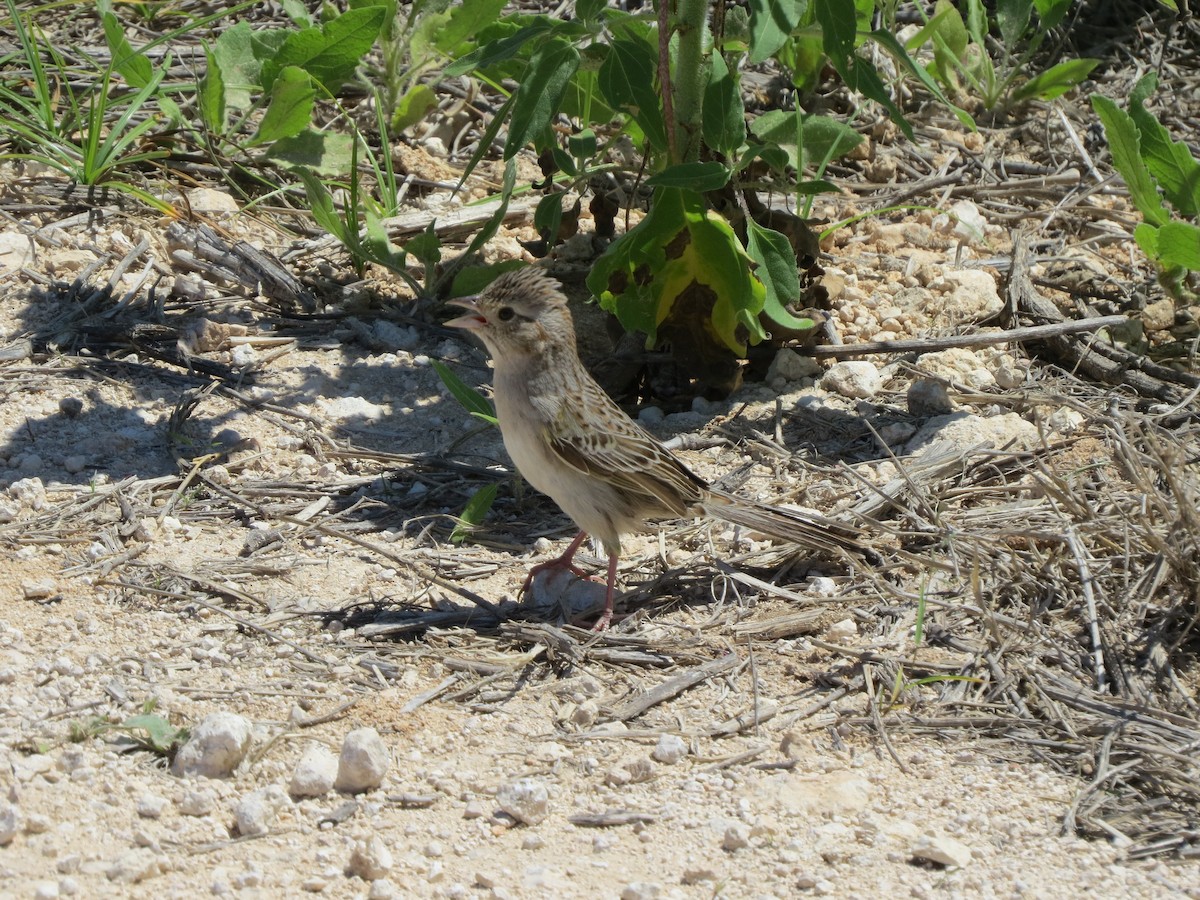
(711, 267)
(477, 405)
(146, 731)
(969, 62)
(89, 139)
(1157, 168)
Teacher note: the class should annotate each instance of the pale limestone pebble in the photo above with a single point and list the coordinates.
(735, 837)
(958, 365)
(584, 715)
(38, 589)
(151, 806)
(29, 492)
(352, 408)
(525, 799)
(856, 379)
(842, 632)
(217, 746)
(1158, 316)
(925, 397)
(632, 771)
(641, 890)
(670, 749)
(10, 822)
(26, 768)
(196, 803)
(71, 407)
(394, 337)
(256, 812)
(370, 859)
(363, 762)
(10, 510)
(16, 250)
(821, 586)
(789, 365)
(942, 850)
(137, 866)
(46, 890)
(243, 356)
(315, 773)
(965, 295)
(210, 200)
(1065, 420)
(383, 889)
(968, 431)
(699, 875)
(206, 336)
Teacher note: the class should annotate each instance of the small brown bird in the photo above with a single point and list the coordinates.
(573, 443)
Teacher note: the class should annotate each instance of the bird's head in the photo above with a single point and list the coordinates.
(521, 313)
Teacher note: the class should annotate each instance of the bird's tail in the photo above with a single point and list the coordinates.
(809, 529)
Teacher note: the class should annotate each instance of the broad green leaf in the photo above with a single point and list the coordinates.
(1146, 237)
(838, 27)
(777, 271)
(241, 69)
(589, 10)
(977, 22)
(820, 137)
(331, 53)
(700, 176)
(1056, 80)
(418, 101)
(548, 216)
(466, 21)
(325, 152)
(537, 98)
(499, 50)
(724, 114)
(470, 280)
(804, 55)
(771, 23)
(473, 513)
(1051, 12)
(290, 108)
(133, 65)
(682, 266)
(212, 94)
(1179, 245)
(1123, 142)
(626, 81)
(1013, 18)
(472, 401)
(1170, 162)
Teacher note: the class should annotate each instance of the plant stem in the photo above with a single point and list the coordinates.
(691, 77)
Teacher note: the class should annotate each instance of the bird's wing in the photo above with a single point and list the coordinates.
(598, 438)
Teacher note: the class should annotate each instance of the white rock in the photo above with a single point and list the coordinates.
(10, 822)
(641, 890)
(968, 431)
(1065, 420)
(943, 850)
(29, 492)
(243, 356)
(197, 803)
(39, 589)
(363, 762)
(353, 408)
(969, 224)
(16, 250)
(525, 799)
(315, 773)
(973, 297)
(822, 586)
(151, 806)
(210, 200)
(135, 866)
(842, 632)
(216, 747)
(392, 336)
(670, 749)
(791, 366)
(856, 379)
(383, 889)
(45, 890)
(257, 811)
(370, 860)
(736, 837)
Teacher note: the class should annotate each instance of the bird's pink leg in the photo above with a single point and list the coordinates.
(559, 562)
(603, 621)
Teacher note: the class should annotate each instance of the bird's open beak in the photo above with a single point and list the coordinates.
(473, 320)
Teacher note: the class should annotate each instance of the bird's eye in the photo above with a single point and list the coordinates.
(506, 313)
